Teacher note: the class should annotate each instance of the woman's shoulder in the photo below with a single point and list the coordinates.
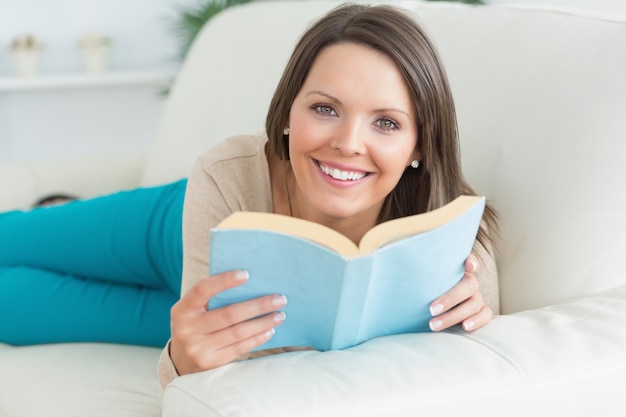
(238, 169)
(235, 148)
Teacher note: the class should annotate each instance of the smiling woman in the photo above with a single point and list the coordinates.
(361, 130)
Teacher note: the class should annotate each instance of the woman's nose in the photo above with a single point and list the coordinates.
(349, 139)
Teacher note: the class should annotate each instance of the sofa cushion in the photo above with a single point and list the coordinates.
(22, 183)
(71, 380)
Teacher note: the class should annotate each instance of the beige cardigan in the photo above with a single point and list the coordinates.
(234, 176)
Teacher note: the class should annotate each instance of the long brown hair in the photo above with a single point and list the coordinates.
(439, 179)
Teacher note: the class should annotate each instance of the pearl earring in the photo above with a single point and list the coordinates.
(415, 163)
(286, 131)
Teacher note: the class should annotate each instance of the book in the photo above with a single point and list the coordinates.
(341, 294)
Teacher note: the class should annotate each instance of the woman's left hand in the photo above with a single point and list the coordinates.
(462, 304)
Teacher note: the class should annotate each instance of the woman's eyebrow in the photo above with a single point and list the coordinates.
(393, 109)
(321, 93)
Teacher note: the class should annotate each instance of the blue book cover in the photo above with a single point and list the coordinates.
(340, 294)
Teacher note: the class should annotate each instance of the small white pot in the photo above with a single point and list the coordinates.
(96, 59)
(26, 62)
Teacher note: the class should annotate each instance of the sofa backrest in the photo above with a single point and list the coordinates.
(541, 101)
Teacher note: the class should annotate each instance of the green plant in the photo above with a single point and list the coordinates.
(463, 1)
(189, 20)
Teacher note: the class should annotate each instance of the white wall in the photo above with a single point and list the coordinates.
(141, 39)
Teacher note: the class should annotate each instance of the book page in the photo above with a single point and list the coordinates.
(305, 229)
(397, 229)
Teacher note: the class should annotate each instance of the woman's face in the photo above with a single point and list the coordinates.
(353, 131)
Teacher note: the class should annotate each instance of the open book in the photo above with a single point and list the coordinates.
(340, 294)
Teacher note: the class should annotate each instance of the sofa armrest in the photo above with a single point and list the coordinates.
(22, 183)
(548, 361)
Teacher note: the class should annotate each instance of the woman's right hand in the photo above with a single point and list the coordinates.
(205, 339)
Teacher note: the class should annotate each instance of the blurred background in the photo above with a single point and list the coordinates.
(84, 76)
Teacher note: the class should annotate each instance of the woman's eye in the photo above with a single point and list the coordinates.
(325, 110)
(387, 124)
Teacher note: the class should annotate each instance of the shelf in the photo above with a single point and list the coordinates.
(111, 79)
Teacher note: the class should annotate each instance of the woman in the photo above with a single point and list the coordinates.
(361, 130)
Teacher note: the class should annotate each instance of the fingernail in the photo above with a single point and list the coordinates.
(436, 309)
(279, 301)
(241, 275)
(435, 324)
(269, 333)
(280, 317)
(468, 325)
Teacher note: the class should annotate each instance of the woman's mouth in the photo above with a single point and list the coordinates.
(340, 174)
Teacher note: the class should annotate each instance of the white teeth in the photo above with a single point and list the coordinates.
(341, 175)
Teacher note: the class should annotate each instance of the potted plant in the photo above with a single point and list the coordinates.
(26, 52)
(95, 47)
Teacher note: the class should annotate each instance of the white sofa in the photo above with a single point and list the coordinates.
(541, 97)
